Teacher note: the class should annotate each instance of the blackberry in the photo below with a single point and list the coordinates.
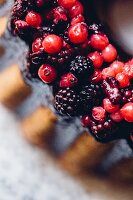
(82, 67)
(95, 28)
(90, 95)
(48, 29)
(63, 57)
(67, 102)
(34, 61)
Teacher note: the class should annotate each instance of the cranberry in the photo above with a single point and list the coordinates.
(37, 45)
(96, 58)
(59, 14)
(68, 80)
(123, 80)
(98, 113)
(77, 19)
(108, 72)
(99, 41)
(47, 73)
(109, 107)
(76, 10)
(116, 116)
(85, 121)
(109, 53)
(117, 66)
(78, 33)
(33, 19)
(52, 44)
(127, 112)
(67, 3)
(97, 76)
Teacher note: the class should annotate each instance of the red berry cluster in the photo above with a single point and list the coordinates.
(71, 53)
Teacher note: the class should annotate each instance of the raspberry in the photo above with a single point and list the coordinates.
(96, 58)
(123, 80)
(67, 3)
(52, 44)
(127, 112)
(47, 73)
(78, 33)
(99, 41)
(68, 80)
(109, 53)
(108, 72)
(33, 19)
(67, 102)
(81, 67)
(117, 67)
(98, 113)
(109, 107)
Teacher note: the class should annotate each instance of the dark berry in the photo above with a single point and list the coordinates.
(67, 102)
(82, 67)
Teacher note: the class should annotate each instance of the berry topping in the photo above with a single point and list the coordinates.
(109, 53)
(33, 19)
(68, 80)
(123, 80)
(67, 3)
(81, 67)
(86, 120)
(127, 112)
(109, 107)
(76, 10)
(67, 102)
(78, 33)
(96, 58)
(52, 44)
(47, 73)
(98, 113)
(99, 41)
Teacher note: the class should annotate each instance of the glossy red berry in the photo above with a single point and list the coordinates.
(108, 72)
(99, 41)
(96, 58)
(117, 66)
(86, 121)
(98, 113)
(47, 73)
(127, 112)
(52, 44)
(123, 80)
(78, 33)
(109, 53)
(97, 76)
(68, 80)
(77, 19)
(109, 107)
(76, 10)
(67, 3)
(116, 116)
(37, 45)
(33, 19)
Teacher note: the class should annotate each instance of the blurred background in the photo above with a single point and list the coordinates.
(29, 172)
